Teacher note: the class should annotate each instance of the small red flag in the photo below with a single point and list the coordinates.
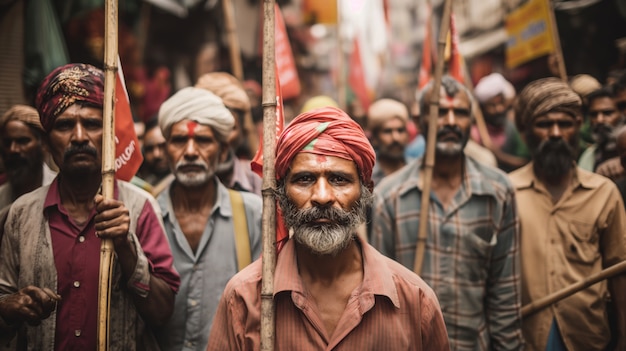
(455, 66)
(356, 77)
(128, 157)
(427, 55)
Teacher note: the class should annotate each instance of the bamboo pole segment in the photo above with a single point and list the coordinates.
(233, 40)
(607, 273)
(477, 112)
(429, 160)
(558, 52)
(108, 166)
(269, 180)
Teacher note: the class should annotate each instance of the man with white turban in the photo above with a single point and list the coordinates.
(494, 94)
(213, 231)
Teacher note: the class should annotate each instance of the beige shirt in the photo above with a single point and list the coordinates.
(563, 243)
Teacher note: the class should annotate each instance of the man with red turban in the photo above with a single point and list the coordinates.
(332, 290)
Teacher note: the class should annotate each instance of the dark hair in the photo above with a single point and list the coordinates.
(604, 92)
(153, 122)
(450, 85)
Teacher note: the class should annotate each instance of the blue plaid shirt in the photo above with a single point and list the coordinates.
(472, 251)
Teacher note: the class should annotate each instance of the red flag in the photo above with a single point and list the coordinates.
(287, 72)
(455, 66)
(356, 77)
(282, 233)
(427, 54)
(128, 156)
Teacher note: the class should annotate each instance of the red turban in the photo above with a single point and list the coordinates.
(325, 131)
(65, 86)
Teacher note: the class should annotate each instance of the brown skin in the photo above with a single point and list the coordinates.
(555, 125)
(603, 111)
(19, 139)
(193, 204)
(316, 180)
(83, 126)
(392, 131)
(448, 170)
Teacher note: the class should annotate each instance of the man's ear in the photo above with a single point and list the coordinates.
(224, 149)
(370, 185)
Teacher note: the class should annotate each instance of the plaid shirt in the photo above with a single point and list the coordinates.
(472, 251)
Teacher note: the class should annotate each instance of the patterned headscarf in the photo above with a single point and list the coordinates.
(65, 86)
(23, 113)
(198, 105)
(325, 131)
(543, 96)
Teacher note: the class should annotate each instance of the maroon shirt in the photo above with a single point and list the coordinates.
(77, 258)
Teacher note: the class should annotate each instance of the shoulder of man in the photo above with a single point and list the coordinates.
(135, 198)
(406, 176)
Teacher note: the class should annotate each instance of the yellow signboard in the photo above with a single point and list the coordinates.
(530, 33)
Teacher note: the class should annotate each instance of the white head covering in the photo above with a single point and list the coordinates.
(198, 105)
(493, 85)
(383, 110)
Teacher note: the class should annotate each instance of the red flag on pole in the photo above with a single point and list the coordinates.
(282, 233)
(455, 66)
(356, 77)
(128, 157)
(427, 54)
(286, 71)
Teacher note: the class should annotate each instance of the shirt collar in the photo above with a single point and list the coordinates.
(377, 278)
(474, 180)
(222, 202)
(525, 178)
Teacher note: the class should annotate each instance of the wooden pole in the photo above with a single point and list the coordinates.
(614, 270)
(269, 180)
(429, 160)
(233, 40)
(108, 166)
(478, 113)
(558, 52)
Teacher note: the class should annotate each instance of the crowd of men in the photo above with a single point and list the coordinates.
(534, 209)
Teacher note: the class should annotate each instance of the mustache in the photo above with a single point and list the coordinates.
(456, 130)
(183, 163)
(334, 215)
(15, 160)
(80, 149)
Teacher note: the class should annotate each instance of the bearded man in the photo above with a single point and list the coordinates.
(23, 153)
(332, 291)
(471, 249)
(605, 118)
(201, 214)
(572, 225)
(51, 247)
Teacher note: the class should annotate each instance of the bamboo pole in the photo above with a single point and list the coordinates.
(558, 52)
(607, 273)
(429, 160)
(478, 113)
(269, 180)
(233, 40)
(108, 166)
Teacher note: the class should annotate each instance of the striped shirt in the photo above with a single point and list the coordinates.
(393, 309)
(472, 251)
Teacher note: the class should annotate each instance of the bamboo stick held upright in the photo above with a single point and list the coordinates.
(269, 180)
(429, 160)
(108, 166)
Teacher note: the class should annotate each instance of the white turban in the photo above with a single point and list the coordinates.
(383, 110)
(200, 106)
(493, 85)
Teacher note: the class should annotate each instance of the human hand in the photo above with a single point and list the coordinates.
(112, 220)
(611, 168)
(30, 304)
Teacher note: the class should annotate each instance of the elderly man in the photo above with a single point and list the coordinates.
(331, 289)
(605, 118)
(234, 171)
(51, 248)
(495, 93)
(471, 249)
(213, 231)
(572, 224)
(386, 121)
(23, 153)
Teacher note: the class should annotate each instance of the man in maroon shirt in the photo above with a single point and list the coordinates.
(50, 252)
